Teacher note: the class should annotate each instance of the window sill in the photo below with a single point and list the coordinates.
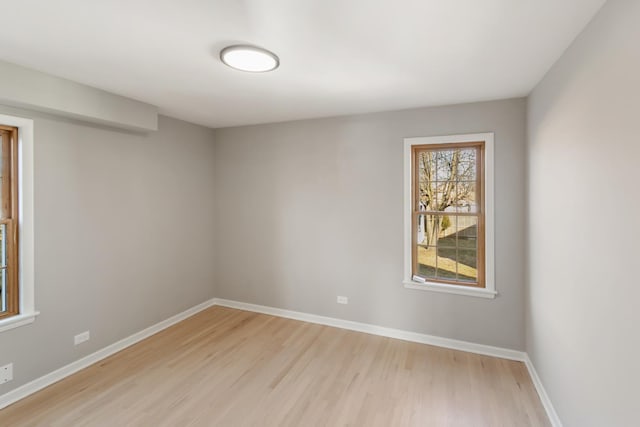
(17, 321)
(450, 289)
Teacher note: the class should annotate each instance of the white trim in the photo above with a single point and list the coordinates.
(503, 353)
(450, 289)
(70, 369)
(17, 321)
(490, 282)
(25, 220)
(544, 397)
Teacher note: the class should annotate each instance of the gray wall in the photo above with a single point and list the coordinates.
(584, 152)
(309, 210)
(124, 236)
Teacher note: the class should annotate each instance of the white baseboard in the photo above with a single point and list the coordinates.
(544, 397)
(487, 350)
(70, 369)
(504, 353)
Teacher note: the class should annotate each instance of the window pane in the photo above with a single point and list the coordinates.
(445, 195)
(446, 263)
(443, 231)
(444, 165)
(446, 270)
(447, 247)
(465, 197)
(437, 196)
(426, 262)
(440, 230)
(466, 165)
(447, 235)
(432, 196)
(467, 232)
(421, 225)
(447, 180)
(467, 265)
(426, 181)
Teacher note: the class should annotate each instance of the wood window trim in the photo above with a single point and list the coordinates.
(9, 217)
(486, 267)
(27, 312)
(479, 190)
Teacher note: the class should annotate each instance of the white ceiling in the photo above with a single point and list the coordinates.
(337, 56)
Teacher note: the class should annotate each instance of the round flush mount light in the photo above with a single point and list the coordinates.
(249, 58)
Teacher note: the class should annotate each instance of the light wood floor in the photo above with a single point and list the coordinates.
(226, 367)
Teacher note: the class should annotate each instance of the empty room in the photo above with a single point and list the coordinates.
(319, 213)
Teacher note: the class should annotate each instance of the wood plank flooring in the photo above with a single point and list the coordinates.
(227, 367)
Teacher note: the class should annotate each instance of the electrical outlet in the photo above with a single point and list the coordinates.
(6, 373)
(343, 300)
(80, 338)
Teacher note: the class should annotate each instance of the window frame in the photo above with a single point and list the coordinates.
(26, 312)
(9, 218)
(486, 206)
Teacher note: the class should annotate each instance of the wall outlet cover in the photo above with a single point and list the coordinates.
(80, 338)
(6, 373)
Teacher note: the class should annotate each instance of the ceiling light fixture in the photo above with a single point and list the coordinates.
(249, 58)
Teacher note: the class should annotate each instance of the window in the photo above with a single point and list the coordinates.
(9, 298)
(449, 214)
(16, 223)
